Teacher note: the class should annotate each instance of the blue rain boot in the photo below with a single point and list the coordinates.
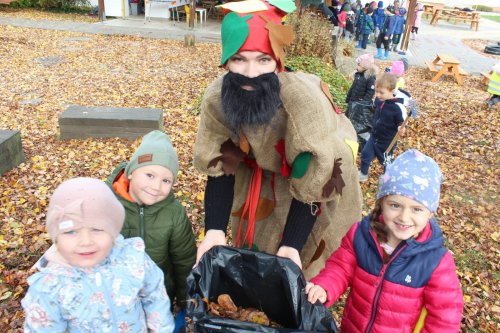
(359, 44)
(180, 322)
(386, 56)
(379, 54)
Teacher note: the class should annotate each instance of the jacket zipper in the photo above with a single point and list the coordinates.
(100, 284)
(142, 231)
(379, 290)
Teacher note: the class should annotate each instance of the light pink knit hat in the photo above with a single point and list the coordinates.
(366, 60)
(84, 202)
(398, 68)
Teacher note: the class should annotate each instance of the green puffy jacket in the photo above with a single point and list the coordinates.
(167, 233)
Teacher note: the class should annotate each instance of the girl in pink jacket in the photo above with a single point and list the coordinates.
(401, 276)
(417, 20)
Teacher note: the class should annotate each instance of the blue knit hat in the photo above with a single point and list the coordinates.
(380, 4)
(413, 175)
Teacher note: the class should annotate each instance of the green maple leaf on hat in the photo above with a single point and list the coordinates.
(287, 6)
(234, 32)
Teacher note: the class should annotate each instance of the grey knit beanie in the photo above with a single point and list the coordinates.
(155, 149)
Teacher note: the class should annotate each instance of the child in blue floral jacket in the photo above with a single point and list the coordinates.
(92, 279)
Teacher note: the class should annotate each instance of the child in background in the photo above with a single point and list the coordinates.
(402, 278)
(92, 279)
(357, 23)
(417, 20)
(399, 28)
(398, 68)
(342, 17)
(385, 35)
(494, 85)
(144, 188)
(349, 26)
(387, 120)
(363, 85)
(359, 98)
(378, 19)
(366, 28)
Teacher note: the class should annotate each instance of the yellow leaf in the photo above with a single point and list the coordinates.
(467, 298)
(201, 236)
(201, 196)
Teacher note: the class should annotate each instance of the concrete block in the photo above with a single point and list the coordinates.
(11, 150)
(81, 122)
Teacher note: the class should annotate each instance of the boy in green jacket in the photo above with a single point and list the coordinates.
(143, 186)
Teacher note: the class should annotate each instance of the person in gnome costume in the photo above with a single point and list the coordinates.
(279, 155)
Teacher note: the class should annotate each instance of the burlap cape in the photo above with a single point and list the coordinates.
(307, 122)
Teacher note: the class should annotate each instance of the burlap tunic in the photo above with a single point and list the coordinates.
(307, 122)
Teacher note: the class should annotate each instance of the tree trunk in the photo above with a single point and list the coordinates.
(101, 12)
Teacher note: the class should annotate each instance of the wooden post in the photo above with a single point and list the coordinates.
(192, 14)
(409, 21)
(101, 13)
(189, 40)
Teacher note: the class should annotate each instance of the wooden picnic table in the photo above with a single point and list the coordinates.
(445, 64)
(457, 15)
(428, 10)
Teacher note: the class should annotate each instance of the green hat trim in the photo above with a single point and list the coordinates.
(234, 33)
(287, 6)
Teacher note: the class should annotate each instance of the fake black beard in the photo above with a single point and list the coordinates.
(244, 108)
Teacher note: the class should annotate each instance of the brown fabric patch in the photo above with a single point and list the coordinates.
(319, 251)
(336, 182)
(279, 37)
(244, 144)
(265, 208)
(231, 157)
(145, 158)
(326, 91)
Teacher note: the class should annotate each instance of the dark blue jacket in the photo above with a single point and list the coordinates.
(389, 25)
(399, 25)
(388, 116)
(378, 17)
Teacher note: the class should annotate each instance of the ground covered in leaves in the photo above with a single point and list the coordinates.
(42, 72)
(478, 45)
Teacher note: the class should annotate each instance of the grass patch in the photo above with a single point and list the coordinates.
(495, 18)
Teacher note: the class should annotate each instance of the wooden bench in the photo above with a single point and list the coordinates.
(6, 2)
(11, 151)
(485, 77)
(81, 122)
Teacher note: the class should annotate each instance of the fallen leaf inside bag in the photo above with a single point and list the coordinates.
(226, 308)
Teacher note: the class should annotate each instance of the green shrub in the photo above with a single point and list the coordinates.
(482, 8)
(336, 81)
(313, 37)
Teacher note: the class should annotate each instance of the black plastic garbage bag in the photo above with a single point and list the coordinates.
(258, 280)
(361, 116)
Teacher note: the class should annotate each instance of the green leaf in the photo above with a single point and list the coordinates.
(234, 32)
(301, 164)
(287, 6)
